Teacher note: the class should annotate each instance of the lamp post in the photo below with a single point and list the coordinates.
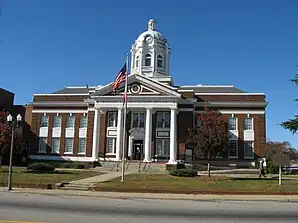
(13, 123)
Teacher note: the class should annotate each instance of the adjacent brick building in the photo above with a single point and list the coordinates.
(85, 123)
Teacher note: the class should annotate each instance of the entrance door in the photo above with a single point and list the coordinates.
(137, 146)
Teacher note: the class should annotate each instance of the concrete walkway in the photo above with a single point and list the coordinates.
(115, 195)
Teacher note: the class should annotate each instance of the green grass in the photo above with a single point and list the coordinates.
(22, 176)
(202, 183)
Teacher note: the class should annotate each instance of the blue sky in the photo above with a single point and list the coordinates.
(49, 44)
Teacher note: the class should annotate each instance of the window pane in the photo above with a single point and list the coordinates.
(248, 124)
(112, 119)
(111, 145)
(137, 61)
(233, 149)
(42, 145)
(44, 121)
(160, 120)
(82, 145)
(167, 120)
(83, 122)
(232, 123)
(70, 122)
(163, 147)
(68, 145)
(159, 61)
(148, 60)
(248, 149)
(135, 119)
(57, 122)
(56, 145)
(142, 120)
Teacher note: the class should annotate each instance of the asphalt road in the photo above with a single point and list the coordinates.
(18, 207)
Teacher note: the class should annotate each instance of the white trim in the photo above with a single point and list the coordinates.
(68, 153)
(61, 158)
(136, 105)
(244, 93)
(58, 111)
(82, 153)
(185, 109)
(200, 85)
(238, 112)
(186, 90)
(82, 94)
(91, 109)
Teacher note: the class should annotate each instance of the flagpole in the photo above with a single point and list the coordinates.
(124, 121)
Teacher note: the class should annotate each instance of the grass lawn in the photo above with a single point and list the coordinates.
(163, 182)
(22, 176)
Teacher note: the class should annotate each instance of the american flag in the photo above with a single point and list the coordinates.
(121, 76)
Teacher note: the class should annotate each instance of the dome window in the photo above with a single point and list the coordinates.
(148, 60)
(159, 61)
(137, 62)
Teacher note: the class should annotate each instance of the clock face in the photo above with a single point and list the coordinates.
(148, 39)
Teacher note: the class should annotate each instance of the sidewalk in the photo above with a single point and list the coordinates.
(119, 195)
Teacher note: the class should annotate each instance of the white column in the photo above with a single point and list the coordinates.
(119, 135)
(95, 142)
(130, 146)
(148, 135)
(173, 137)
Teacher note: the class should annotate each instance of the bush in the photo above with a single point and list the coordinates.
(41, 167)
(183, 172)
(271, 168)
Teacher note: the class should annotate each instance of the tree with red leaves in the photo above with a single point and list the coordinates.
(210, 136)
(5, 136)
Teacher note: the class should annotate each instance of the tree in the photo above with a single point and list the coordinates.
(210, 136)
(292, 124)
(5, 137)
(275, 147)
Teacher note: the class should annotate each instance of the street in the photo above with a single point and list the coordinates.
(19, 207)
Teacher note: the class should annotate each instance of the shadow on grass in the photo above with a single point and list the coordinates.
(49, 172)
(256, 179)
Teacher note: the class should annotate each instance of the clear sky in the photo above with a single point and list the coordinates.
(49, 44)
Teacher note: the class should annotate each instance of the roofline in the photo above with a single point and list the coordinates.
(200, 85)
(234, 93)
(53, 94)
(82, 87)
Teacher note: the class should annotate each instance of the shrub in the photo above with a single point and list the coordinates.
(183, 172)
(41, 167)
(271, 168)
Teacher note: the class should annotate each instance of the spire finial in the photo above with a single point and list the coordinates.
(151, 24)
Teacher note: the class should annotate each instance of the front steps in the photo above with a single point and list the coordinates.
(76, 186)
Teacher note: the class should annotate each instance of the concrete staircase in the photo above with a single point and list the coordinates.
(76, 186)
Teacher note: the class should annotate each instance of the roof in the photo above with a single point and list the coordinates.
(212, 89)
(75, 90)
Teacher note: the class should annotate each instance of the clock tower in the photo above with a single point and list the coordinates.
(150, 55)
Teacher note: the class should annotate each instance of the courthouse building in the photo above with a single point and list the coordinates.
(84, 123)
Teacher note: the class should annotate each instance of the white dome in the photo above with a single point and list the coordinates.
(151, 32)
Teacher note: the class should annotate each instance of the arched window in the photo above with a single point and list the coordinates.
(159, 61)
(148, 60)
(137, 62)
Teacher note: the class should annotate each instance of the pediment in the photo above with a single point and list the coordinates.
(138, 85)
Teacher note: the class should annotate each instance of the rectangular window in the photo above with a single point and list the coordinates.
(248, 124)
(163, 120)
(233, 149)
(163, 147)
(68, 145)
(44, 121)
(111, 145)
(56, 145)
(82, 145)
(138, 119)
(83, 121)
(112, 119)
(70, 121)
(57, 122)
(42, 145)
(248, 149)
(232, 123)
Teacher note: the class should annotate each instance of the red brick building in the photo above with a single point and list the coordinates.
(84, 123)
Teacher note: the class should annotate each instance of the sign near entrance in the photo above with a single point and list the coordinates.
(281, 159)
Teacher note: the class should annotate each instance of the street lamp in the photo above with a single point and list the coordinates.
(14, 124)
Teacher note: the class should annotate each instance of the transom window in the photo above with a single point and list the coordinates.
(44, 121)
(70, 121)
(83, 121)
(163, 119)
(163, 147)
(111, 145)
(55, 145)
(138, 119)
(112, 119)
(148, 60)
(233, 148)
(159, 61)
(248, 149)
(248, 124)
(57, 122)
(232, 123)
